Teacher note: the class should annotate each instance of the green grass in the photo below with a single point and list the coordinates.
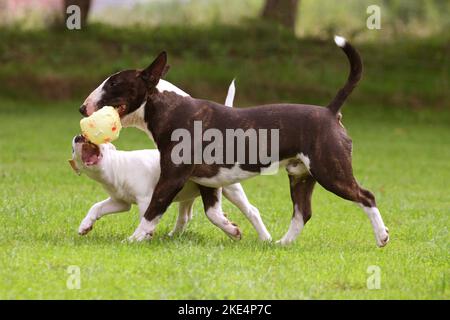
(402, 156)
(398, 118)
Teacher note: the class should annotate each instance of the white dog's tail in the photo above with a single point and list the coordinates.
(230, 95)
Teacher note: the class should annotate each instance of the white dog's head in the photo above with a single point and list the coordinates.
(86, 156)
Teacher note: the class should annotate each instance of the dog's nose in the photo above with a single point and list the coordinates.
(79, 139)
(83, 110)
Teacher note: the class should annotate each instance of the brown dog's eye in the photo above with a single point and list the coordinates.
(113, 83)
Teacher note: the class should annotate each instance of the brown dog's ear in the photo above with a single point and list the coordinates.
(156, 70)
(166, 69)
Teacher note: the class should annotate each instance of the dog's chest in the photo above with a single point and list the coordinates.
(136, 120)
(132, 175)
(121, 192)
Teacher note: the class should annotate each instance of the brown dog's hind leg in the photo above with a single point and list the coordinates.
(212, 202)
(301, 191)
(336, 175)
(366, 200)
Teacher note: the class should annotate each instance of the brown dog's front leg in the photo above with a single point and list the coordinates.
(171, 181)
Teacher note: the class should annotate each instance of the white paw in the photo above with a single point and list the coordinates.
(172, 233)
(85, 226)
(265, 238)
(175, 232)
(143, 232)
(283, 242)
(382, 238)
(139, 236)
(234, 232)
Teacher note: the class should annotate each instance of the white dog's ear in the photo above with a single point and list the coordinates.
(74, 166)
(154, 72)
(230, 95)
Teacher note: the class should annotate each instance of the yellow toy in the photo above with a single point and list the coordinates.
(102, 126)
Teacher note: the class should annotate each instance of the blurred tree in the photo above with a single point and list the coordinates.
(283, 12)
(84, 5)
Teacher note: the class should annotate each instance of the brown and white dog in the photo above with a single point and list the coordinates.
(313, 144)
(130, 177)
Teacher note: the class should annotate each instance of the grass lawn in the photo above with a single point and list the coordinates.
(402, 156)
(398, 118)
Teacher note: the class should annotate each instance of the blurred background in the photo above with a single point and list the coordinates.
(277, 49)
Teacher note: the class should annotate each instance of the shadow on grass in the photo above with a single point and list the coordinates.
(160, 239)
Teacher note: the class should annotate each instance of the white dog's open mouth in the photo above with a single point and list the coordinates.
(90, 154)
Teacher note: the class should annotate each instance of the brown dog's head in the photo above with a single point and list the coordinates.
(126, 90)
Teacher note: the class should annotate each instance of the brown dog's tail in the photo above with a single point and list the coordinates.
(353, 78)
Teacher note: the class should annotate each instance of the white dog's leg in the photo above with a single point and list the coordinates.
(140, 234)
(143, 205)
(236, 195)
(184, 215)
(145, 229)
(100, 209)
(191, 213)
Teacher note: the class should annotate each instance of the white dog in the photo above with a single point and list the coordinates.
(130, 177)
